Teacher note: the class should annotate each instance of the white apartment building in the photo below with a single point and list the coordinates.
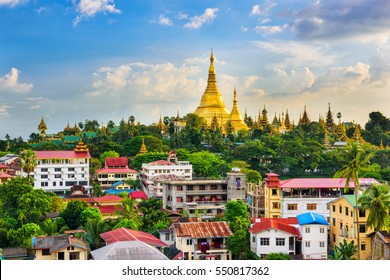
(153, 173)
(58, 171)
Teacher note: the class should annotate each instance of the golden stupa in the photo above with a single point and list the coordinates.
(212, 105)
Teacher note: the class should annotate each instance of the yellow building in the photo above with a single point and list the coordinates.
(272, 197)
(212, 105)
(342, 226)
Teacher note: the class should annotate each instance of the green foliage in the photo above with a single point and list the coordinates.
(126, 223)
(153, 218)
(137, 162)
(90, 213)
(21, 237)
(108, 154)
(72, 212)
(28, 161)
(10, 192)
(238, 244)
(344, 251)
(94, 227)
(152, 143)
(277, 256)
(206, 164)
(236, 214)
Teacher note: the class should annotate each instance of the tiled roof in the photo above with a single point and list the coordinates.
(125, 234)
(116, 170)
(311, 218)
(272, 223)
(56, 243)
(138, 194)
(321, 182)
(202, 229)
(109, 198)
(119, 161)
(2, 166)
(4, 175)
(109, 209)
(61, 154)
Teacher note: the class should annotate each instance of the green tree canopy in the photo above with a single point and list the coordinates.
(206, 164)
(72, 213)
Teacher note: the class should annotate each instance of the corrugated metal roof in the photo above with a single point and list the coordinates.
(311, 218)
(61, 154)
(120, 161)
(274, 223)
(128, 250)
(321, 182)
(125, 234)
(202, 229)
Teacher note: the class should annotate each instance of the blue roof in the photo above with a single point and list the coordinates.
(115, 191)
(311, 218)
(117, 183)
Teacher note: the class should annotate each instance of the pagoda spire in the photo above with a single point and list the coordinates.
(81, 147)
(212, 102)
(329, 120)
(235, 117)
(142, 149)
(305, 118)
(287, 123)
(42, 127)
(264, 119)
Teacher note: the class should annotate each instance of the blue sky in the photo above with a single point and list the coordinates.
(73, 60)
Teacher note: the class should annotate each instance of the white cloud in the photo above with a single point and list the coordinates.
(9, 82)
(262, 10)
(256, 10)
(11, 3)
(207, 17)
(4, 111)
(89, 8)
(266, 29)
(35, 107)
(164, 20)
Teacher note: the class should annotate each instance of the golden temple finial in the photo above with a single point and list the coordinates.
(42, 127)
(81, 147)
(235, 117)
(142, 149)
(381, 147)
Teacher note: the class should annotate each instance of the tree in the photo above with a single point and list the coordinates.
(237, 215)
(28, 162)
(108, 154)
(72, 212)
(90, 214)
(10, 192)
(344, 251)
(152, 217)
(21, 237)
(51, 227)
(238, 244)
(353, 158)
(94, 227)
(129, 211)
(206, 164)
(94, 164)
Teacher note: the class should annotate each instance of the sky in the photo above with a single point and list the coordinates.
(73, 60)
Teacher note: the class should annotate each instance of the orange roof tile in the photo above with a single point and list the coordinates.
(125, 234)
(202, 229)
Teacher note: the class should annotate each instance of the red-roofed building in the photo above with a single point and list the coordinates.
(289, 198)
(138, 195)
(4, 177)
(115, 169)
(274, 235)
(125, 234)
(59, 171)
(164, 169)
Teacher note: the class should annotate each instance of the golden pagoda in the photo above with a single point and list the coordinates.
(235, 117)
(212, 103)
(264, 119)
(357, 134)
(287, 123)
(381, 147)
(305, 118)
(42, 127)
(81, 147)
(142, 149)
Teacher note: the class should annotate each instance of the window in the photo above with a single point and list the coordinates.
(362, 228)
(341, 225)
(43, 176)
(71, 169)
(275, 205)
(166, 236)
(189, 242)
(44, 184)
(262, 256)
(362, 213)
(334, 208)
(340, 209)
(70, 175)
(280, 241)
(179, 199)
(334, 222)
(264, 241)
(322, 244)
(57, 176)
(57, 169)
(334, 237)
(311, 206)
(202, 188)
(45, 252)
(322, 230)
(253, 239)
(307, 244)
(363, 246)
(346, 211)
(274, 192)
(61, 256)
(292, 206)
(74, 255)
(307, 230)
(43, 169)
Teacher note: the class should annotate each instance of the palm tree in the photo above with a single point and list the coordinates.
(129, 211)
(353, 158)
(95, 227)
(28, 162)
(377, 199)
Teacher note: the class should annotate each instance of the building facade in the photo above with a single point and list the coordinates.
(58, 171)
(115, 170)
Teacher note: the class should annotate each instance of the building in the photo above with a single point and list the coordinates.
(115, 170)
(255, 200)
(212, 107)
(205, 198)
(58, 171)
(314, 234)
(202, 240)
(289, 198)
(128, 250)
(343, 227)
(61, 247)
(153, 173)
(274, 235)
(380, 245)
